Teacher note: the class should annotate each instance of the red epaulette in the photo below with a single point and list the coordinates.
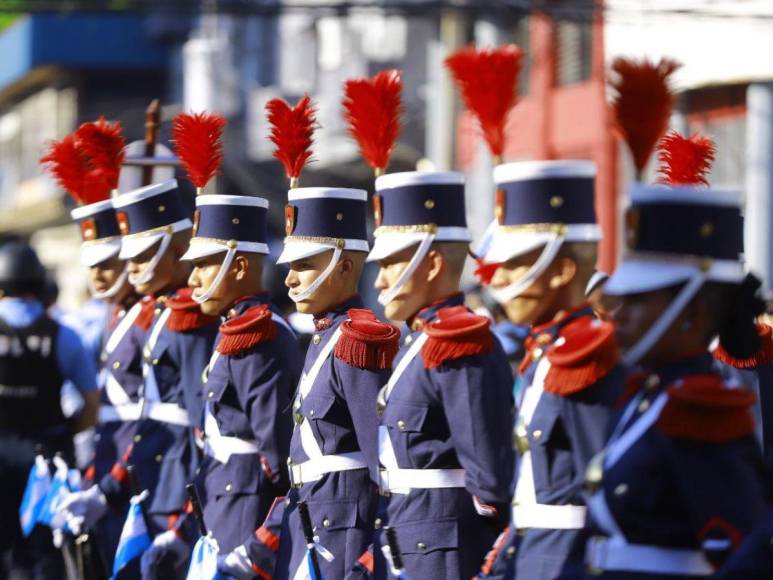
(147, 311)
(366, 342)
(585, 353)
(702, 408)
(243, 332)
(762, 357)
(457, 333)
(186, 314)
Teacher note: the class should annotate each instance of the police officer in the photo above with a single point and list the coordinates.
(333, 450)
(250, 378)
(679, 483)
(36, 356)
(444, 438)
(545, 246)
(156, 231)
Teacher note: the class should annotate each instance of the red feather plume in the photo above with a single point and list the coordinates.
(198, 143)
(685, 160)
(642, 104)
(372, 107)
(103, 144)
(292, 129)
(488, 83)
(67, 164)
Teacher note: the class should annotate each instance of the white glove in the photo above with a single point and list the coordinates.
(82, 509)
(236, 564)
(165, 544)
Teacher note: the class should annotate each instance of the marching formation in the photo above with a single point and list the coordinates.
(632, 440)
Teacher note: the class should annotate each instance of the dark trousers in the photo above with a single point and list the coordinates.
(35, 555)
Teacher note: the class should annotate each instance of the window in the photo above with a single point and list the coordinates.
(573, 51)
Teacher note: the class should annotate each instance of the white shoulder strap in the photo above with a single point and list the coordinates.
(122, 328)
(402, 365)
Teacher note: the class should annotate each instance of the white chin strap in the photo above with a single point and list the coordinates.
(320, 279)
(150, 270)
(634, 354)
(224, 266)
(113, 290)
(549, 253)
(386, 296)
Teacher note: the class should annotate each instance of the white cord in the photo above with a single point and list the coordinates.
(549, 253)
(634, 354)
(320, 279)
(224, 266)
(386, 296)
(113, 290)
(150, 270)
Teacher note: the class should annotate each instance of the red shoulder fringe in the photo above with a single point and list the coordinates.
(457, 333)
(702, 408)
(186, 314)
(253, 327)
(587, 353)
(762, 357)
(366, 342)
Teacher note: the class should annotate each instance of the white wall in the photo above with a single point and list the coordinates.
(717, 41)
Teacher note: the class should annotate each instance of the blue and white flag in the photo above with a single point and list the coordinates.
(306, 570)
(135, 538)
(62, 484)
(204, 560)
(38, 483)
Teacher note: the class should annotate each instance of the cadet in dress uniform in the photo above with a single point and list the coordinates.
(179, 340)
(679, 484)
(250, 379)
(545, 246)
(444, 440)
(37, 355)
(333, 452)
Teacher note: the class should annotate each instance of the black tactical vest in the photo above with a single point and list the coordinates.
(30, 380)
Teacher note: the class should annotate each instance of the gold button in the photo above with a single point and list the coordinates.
(116, 365)
(652, 382)
(137, 438)
(408, 339)
(644, 405)
(311, 413)
(536, 353)
(232, 244)
(316, 339)
(235, 221)
(155, 361)
(401, 425)
(211, 394)
(157, 311)
(161, 208)
(421, 545)
(537, 433)
(621, 489)
(231, 313)
(429, 204)
(326, 523)
(339, 216)
(377, 524)
(228, 487)
(159, 457)
(198, 470)
(510, 552)
(556, 201)
(707, 229)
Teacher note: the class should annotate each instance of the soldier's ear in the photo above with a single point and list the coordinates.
(436, 262)
(346, 264)
(563, 273)
(241, 266)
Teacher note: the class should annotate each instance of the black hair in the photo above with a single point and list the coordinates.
(736, 308)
